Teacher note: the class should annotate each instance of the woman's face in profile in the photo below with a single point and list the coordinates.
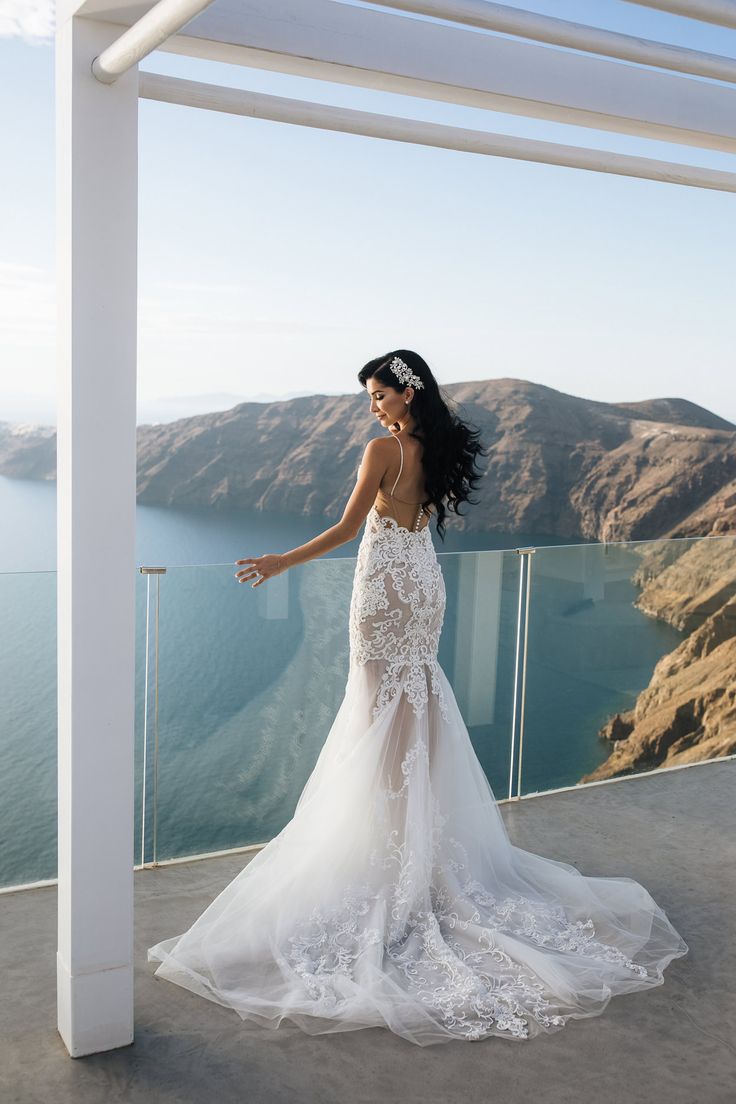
(387, 404)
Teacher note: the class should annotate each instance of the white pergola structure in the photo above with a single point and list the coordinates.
(611, 82)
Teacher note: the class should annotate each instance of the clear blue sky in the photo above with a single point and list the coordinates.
(279, 259)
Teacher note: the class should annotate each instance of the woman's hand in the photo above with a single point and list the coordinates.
(266, 566)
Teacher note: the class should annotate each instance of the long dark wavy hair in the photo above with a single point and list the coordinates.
(450, 465)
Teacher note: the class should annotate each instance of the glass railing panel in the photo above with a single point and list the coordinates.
(250, 681)
(28, 727)
(478, 652)
(630, 660)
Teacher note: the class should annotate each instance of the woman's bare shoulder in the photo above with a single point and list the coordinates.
(377, 454)
(380, 447)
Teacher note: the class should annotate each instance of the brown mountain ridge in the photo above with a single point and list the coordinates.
(557, 464)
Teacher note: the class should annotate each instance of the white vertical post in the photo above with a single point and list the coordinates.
(97, 143)
(522, 639)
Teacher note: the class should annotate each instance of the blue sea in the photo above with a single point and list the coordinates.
(237, 695)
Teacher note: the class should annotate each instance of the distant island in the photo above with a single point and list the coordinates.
(558, 465)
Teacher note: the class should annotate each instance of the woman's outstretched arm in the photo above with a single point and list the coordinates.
(372, 469)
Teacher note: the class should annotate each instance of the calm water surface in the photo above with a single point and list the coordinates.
(249, 681)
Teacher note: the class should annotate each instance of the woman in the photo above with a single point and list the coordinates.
(394, 896)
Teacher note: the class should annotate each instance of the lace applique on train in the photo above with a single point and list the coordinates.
(445, 944)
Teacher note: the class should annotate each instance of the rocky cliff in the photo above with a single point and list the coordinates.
(557, 464)
(27, 451)
(688, 711)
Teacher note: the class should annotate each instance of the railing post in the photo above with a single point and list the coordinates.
(522, 632)
(148, 572)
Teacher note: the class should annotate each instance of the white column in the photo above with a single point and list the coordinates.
(97, 142)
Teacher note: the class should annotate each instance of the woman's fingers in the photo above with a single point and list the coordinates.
(252, 571)
(248, 572)
(266, 566)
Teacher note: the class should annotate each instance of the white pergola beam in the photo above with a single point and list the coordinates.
(96, 218)
(722, 12)
(394, 53)
(159, 23)
(576, 36)
(238, 101)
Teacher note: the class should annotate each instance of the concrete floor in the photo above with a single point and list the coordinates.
(674, 832)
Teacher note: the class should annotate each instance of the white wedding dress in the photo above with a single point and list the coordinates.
(394, 896)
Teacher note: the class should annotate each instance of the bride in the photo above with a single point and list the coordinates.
(394, 896)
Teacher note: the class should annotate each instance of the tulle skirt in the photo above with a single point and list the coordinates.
(394, 898)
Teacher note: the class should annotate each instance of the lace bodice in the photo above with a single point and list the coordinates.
(397, 609)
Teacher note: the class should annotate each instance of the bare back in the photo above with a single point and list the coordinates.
(402, 491)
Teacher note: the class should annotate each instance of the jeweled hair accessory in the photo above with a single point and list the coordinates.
(404, 374)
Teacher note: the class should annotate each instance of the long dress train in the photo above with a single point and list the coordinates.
(394, 896)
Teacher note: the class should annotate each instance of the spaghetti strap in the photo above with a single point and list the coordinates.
(421, 506)
(401, 467)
